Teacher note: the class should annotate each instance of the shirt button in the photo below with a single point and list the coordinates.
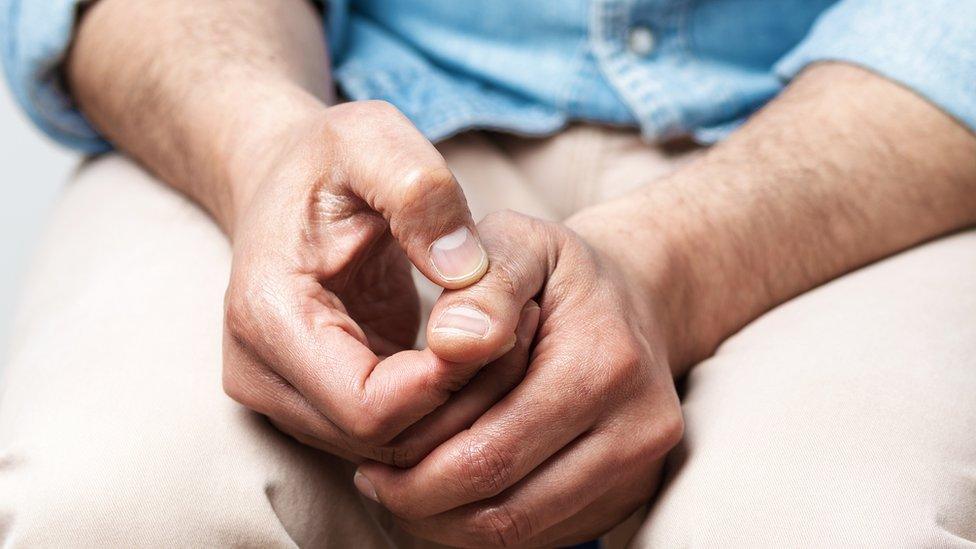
(640, 41)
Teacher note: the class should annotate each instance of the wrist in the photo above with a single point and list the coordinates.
(254, 148)
(779, 207)
(200, 79)
(681, 260)
(652, 262)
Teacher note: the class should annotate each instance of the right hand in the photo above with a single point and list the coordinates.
(579, 443)
(321, 309)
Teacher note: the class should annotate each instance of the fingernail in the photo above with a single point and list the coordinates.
(365, 486)
(463, 320)
(529, 320)
(503, 350)
(458, 256)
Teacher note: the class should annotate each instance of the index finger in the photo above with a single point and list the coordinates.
(311, 342)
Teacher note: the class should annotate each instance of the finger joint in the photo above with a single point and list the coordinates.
(502, 526)
(485, 469)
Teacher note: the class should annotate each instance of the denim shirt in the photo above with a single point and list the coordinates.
(669, 67)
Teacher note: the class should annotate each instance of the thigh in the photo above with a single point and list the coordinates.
(114, 429)
(493, 178)
(844, 418)
(588, 164)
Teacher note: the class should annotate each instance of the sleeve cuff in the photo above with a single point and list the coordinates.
(336, 14)
(929, 47)
(35, 38)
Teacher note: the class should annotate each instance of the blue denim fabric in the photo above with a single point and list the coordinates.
(670, 67)
(34, 36)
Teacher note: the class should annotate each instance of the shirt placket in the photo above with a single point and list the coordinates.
(630, 41)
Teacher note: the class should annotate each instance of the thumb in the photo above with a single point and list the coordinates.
(399, 174)
(429, 217)
(471, 324)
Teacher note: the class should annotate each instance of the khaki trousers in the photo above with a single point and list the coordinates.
(844, 418)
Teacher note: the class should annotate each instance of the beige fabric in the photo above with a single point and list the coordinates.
(844, 418)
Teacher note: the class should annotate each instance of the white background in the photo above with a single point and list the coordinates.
(32, 171)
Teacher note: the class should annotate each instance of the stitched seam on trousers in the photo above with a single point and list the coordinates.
(576, 167)
(592, 145)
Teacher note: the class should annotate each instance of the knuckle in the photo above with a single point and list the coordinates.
(254, 387)
(372, 421)
(372, 418)
(371, 429)
(237, 389)
(427, 202)
(429, 185)
(502, 526)
(249, 308)
(445, 381)
(505, 279)
(623, 374)
(662, 434)
(628, 354)
(617, 375)
(485, 470)
(672, 429)
(236, 317)
(508, 225)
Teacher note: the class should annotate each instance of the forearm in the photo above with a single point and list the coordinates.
(194, 89)
(841, 170)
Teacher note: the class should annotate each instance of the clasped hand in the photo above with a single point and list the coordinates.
(543, 407)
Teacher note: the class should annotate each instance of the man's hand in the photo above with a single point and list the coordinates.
(842, 169)
(327, 208)
(321, 287)
(577, 445)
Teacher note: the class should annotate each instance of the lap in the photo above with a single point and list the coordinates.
(114, 429)
(842, 418)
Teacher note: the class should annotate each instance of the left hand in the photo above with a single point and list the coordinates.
(577, 446)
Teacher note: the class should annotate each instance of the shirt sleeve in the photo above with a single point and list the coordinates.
(928, 46)
(336, 14)
(34, 38)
